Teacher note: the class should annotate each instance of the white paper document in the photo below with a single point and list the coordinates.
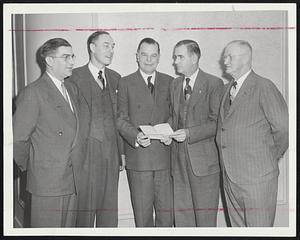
(158, 131)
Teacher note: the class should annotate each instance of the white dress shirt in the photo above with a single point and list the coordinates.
(58, 83)
(95, 72)
(192, 81)
(240, 81)
(145, 77)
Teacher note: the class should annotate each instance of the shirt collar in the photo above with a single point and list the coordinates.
(145, 76)
(55, 81)
(242, 78)
(95, 71)
(193, 79)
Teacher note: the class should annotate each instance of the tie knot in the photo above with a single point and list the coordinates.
(100, 74)
(187, 80)
(149, 79)
(234, 84)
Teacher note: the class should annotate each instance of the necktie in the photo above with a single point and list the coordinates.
(232, 92)
(102, 81)
(187, 89)
(150, 84)
(64, 92)
(228, 99)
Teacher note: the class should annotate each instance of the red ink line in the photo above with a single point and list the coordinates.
(197, 28)
(227, 28)
(151, 28)
(112, 29)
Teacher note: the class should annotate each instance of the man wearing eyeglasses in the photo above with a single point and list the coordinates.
(98, 194)
(252, 136)
(49, 129)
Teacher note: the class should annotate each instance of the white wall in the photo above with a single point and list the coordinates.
(269, 56)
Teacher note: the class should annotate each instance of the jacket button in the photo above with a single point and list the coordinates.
(223, 146)
(60, 133)
(223, 129)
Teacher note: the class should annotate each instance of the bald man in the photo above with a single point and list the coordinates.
(252, 135)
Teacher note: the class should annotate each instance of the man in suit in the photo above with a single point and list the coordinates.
(195, 97)
(144, 99)
(98, 195)
(252, 136)
(49, 129)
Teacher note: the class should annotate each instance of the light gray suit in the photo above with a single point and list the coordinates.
(50, 143)
(251, 138)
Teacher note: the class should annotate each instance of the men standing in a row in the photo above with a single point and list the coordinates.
(98, 194)
(144, 99)
(50, 127)
(252, 136)
(195, 167)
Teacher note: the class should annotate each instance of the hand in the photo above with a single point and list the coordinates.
(166, 140)
(143, 140)
(180, 135)
(122, 167)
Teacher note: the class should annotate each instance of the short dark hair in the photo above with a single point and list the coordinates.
(94, 36)
(191, 46)
(149, 41)
(50, 47)
(242, 43)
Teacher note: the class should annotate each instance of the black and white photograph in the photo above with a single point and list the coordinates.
(149, 119)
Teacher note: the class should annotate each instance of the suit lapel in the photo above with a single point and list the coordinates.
(112, 89)
(243, 92)
(142, 88)
(75, 104)
(176, 96)
(223, 101)
(197, 90)
(58, 102)
(85, 81)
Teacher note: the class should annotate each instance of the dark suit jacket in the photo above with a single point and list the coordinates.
(82, 77)
(202, 115)
(136, 107)
(49, 139)
(254, 134)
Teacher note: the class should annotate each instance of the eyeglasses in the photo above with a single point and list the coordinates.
(66, 57)
(232, 56)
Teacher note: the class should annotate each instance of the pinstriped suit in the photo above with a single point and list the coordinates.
(251, 138)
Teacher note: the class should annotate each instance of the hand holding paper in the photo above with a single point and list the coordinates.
(143, 140)
(159, 131)
(166, 140)
(179, 135)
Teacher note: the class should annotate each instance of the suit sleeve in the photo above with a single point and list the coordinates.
(24, 122)
(208, 129)
(119, 138)
(170, 119)
(276, 113)
(126, 129)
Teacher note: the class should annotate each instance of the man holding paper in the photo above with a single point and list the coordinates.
(195, 99)
(144, 99)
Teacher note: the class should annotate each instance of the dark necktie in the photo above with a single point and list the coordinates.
(231, 91)
(150, 84)
(228, 101)
(100, 77)
(187, 89)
